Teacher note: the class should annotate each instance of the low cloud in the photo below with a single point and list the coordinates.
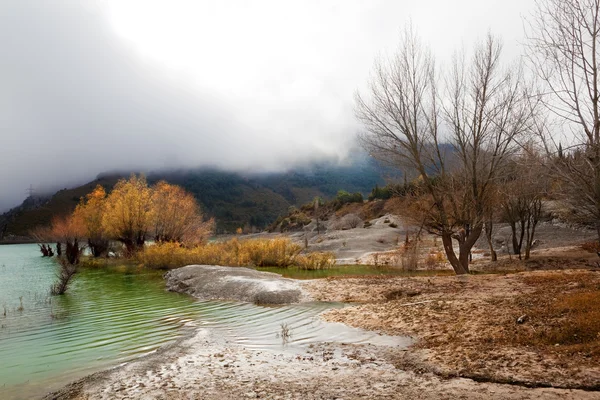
(89, 87)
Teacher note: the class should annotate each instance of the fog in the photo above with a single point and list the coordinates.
(92, 86)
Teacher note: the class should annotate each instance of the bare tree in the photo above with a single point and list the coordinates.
(563, 43)
(523, 192)
(491, 217)
(64, 277)
(457, 140)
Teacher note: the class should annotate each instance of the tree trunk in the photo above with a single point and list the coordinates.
(522, 225)
(457, 265)
(466, 245)
(528, 239)
(73, 252)
(98, 247)
(133, 245)
(141, 239)
(463, 259)
(515, 243)
(129, 246)
(536, 213)
(44, 250)
(488, 234)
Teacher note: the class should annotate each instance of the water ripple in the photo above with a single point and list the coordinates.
(110, 317)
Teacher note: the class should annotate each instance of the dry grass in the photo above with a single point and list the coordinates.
(564, 312)
(409, 256)
(435, 259)
(315, 261)
(469, 327)
(278, 252)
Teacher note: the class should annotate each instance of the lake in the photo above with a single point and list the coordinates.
(113, 315)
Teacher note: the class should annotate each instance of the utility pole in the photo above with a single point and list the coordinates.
(30, 190)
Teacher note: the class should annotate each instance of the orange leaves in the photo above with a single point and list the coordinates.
(67, 228)
(176, 214)
(132, 213)
(128, 211)
(91, 212)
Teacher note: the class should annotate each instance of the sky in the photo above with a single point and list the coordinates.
(89, 86)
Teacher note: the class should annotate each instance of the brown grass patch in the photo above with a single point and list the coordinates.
(278, 252)
(564, 313)
(468, 327)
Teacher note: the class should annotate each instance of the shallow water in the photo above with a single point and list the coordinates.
(112, 316)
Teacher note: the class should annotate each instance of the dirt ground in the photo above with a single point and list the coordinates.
(467, 326)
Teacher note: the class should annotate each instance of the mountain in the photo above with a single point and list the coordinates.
(39, 210)
(234, 199)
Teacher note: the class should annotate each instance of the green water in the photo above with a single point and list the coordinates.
(110, 316)
(106, 317)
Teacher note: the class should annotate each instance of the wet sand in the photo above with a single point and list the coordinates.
(206, 367)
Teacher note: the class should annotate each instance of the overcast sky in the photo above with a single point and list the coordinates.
(91, 86)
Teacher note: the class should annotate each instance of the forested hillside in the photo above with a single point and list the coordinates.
(234, 199)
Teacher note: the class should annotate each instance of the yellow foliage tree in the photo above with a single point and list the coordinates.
(128, 213)
(177, 216)
(91, 213)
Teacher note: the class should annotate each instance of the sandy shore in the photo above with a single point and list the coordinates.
(451, 318)
(205, 366)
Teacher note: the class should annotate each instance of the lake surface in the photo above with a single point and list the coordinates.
(110, 316)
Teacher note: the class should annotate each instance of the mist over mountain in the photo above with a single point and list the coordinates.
(234, 199)
(77, 100)
(264, 86)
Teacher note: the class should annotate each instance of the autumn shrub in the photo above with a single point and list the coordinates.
(279, 252)
(315, 261)
(165, 256)
(348, 221)
(351, 221)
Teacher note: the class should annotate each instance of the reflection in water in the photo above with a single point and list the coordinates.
(109, 317)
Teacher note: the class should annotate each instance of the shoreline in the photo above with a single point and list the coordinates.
(204, 364)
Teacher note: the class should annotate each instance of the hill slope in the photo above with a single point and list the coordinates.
(234, 199)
